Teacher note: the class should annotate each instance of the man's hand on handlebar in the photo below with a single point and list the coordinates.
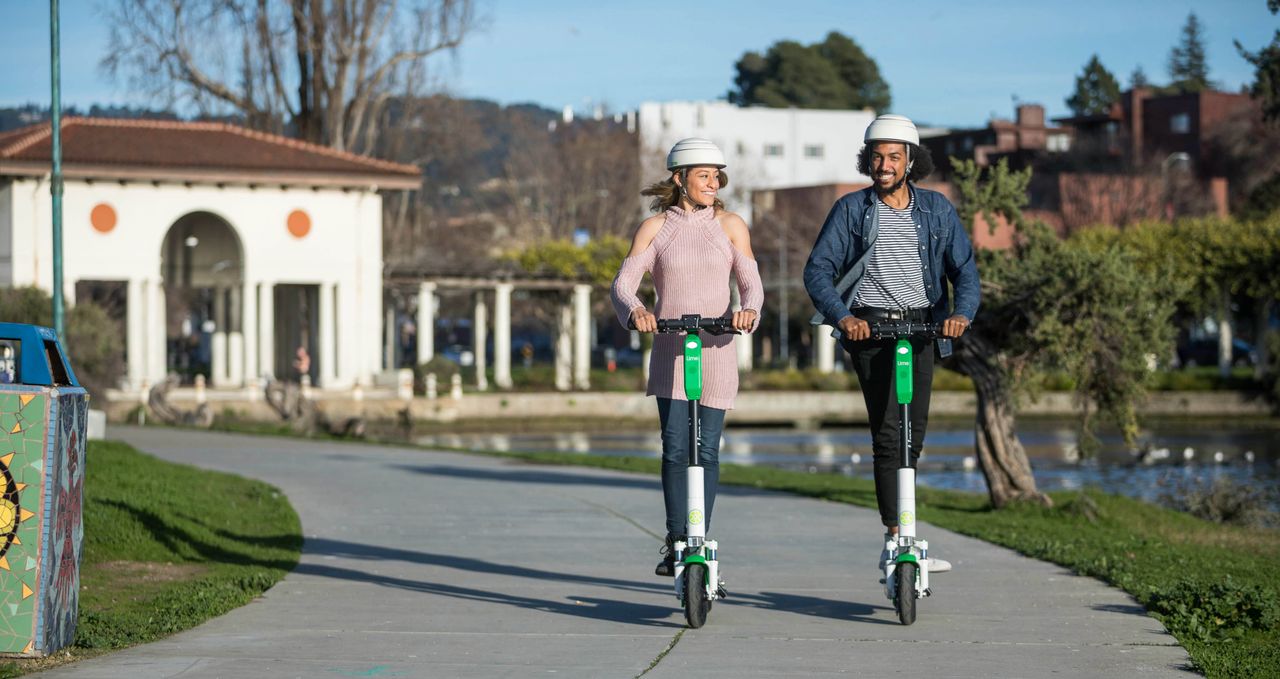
(743, 320)
(644, 321)
(855, 329)
(955, 326)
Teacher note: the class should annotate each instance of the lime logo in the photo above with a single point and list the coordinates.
(695, 517)
(906, 518)
(902, 350)
(691, 345)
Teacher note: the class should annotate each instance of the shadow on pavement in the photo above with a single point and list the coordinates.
(528, 474)
(593, 608)
(852, 611)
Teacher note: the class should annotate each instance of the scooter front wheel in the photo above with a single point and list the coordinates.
(905, 597)
(696, 602)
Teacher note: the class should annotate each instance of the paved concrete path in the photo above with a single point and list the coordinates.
(432, 564)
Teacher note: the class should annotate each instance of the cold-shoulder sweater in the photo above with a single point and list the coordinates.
(690, 260)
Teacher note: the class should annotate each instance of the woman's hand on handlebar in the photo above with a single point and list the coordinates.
(644, 321)
(743, 320)
(955, 326)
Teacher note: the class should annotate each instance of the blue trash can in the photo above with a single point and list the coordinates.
(43, 419)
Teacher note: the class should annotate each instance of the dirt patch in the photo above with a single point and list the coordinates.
(148, 571)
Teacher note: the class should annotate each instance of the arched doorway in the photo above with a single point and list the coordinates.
(202, 262)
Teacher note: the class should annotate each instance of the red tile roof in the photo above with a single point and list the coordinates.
(192, 151)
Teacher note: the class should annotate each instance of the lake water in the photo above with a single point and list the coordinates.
(1179, 453)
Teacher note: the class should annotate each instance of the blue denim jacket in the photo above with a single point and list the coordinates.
(843, 249)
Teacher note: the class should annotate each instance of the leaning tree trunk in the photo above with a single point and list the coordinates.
(1000, 452)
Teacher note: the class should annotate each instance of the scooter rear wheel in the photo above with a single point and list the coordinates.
(696, 603)
(905, 591)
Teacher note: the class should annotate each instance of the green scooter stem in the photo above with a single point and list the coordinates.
(904, 381)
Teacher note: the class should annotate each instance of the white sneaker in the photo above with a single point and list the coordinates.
(884, 553)
(936, 565)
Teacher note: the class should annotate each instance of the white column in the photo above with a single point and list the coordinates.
(328, 337)
(267, 329)
(136, 332)
(157, 350)
(249, 328)
(479, 330)
(582, 336)
(235, 339)
(826, 348)
(426, 322)
(502, 335)
(218, 343)
(564, 348)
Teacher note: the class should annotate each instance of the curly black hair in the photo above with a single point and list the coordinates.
(922, 161)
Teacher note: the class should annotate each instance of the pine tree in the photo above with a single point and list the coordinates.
(1096, 90)
(1188, 69)
(1139, 78)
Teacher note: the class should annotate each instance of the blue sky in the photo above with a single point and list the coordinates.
(947, 63)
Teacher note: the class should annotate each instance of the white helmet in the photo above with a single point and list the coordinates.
(695, 151)
(891, 127)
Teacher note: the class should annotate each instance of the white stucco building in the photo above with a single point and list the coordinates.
(230, 249)
(766, 148)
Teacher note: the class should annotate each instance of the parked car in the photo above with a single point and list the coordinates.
(1204, 351)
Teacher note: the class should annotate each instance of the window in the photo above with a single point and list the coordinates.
(1180, 123)
(1058, 143)
(813, 151)
(968, 143)
(9, 361)
(773, 150)
(57, 369)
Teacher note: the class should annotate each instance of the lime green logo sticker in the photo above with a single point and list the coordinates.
(695, 517)
(692, 345)
(902, 350)
(906, 518)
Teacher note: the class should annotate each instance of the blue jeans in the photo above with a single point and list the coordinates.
(674, 416)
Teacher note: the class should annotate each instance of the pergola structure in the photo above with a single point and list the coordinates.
(572, 329)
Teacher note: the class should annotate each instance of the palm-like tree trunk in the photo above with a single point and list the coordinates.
(1000, 452)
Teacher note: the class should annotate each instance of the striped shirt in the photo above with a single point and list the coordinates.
(895, 276)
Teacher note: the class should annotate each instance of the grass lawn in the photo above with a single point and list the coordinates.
(167, 547)
(1212, 585)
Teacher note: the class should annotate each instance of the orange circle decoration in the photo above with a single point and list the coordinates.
(299, 223)
(103, 218)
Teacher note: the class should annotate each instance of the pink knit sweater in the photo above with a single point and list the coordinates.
(690, 259)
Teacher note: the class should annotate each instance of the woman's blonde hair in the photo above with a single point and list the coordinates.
(666, 193)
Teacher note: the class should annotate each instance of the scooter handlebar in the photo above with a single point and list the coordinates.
(882, 329)
(722, 325)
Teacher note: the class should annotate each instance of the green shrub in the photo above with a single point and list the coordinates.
(1216, 610)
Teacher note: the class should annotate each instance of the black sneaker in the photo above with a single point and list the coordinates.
(667, 567)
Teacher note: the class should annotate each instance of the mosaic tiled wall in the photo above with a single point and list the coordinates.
(41, 491)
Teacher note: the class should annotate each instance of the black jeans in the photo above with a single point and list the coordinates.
(873, 361)
(674, 416)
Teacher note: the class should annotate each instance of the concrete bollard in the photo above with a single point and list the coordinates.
(404, 386)
(142, 401)
(431, 386)
(455, 387)
(201, 396)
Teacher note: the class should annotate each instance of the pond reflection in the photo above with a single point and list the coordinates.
(1174, 453)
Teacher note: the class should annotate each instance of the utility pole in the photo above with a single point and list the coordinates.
(55, 184)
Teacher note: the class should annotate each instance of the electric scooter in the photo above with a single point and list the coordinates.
(906, 573)
(697, 565)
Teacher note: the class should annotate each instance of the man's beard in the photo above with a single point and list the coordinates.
(896, 185)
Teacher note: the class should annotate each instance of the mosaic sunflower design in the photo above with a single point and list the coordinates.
(8, 509)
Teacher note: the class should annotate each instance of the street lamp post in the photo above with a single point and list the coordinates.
(55, 183)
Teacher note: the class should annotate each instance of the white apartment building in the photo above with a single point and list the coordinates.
(766, 148)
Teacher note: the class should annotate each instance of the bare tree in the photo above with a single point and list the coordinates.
(323, 70)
